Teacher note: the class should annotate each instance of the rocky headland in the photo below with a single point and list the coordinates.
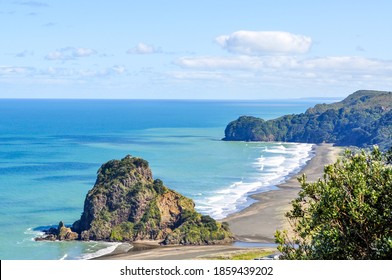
(127, 204)
(362, 119)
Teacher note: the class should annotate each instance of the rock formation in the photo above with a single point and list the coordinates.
(60, 233)
(127, 204)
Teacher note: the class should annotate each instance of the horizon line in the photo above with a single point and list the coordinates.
(173, 99)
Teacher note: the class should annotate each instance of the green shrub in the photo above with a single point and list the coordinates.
(345, 215)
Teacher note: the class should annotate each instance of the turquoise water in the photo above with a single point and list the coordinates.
(50, 151)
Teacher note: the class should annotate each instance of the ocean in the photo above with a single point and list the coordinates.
(50, 151)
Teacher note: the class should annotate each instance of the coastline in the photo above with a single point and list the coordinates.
(256, 223)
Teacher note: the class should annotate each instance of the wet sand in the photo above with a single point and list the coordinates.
(257, 223)
(157, 252)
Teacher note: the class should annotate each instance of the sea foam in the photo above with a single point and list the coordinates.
(277, 162)
(110, 247)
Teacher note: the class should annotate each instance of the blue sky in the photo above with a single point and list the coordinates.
(194, 49)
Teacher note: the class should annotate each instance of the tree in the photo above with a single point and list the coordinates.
(345, 215)
(388, 155)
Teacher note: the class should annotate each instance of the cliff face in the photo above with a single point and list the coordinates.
(126, 204)
(362, 119)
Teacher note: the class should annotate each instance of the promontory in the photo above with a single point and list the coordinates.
(362, 119)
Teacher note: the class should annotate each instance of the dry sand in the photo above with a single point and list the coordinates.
(256, 223)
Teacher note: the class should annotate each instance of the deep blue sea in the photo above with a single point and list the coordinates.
(50, 151)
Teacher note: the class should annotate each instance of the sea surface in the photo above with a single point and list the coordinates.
(50, 151)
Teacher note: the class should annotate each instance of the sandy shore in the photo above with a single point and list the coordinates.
(259, 222)
(153, 251)
(256, 223)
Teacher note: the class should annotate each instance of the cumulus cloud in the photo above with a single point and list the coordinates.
(69, 53)
(143, 48)
(264, 42)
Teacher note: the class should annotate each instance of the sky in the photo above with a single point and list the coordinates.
(248, 49)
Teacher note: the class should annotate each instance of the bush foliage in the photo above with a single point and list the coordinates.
(345, 215)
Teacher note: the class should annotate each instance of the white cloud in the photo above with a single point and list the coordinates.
(264, 42)
(238, 63)
(197, 75)
(118, 69)
(61, 73)
(84, 73)
(82, 52)
(15, 70)
(143, 48)
(228, 63)
(288, 71)
(56, 55)
(350, 64)
(70, 53)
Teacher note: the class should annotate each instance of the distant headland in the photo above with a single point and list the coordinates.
(362, 119)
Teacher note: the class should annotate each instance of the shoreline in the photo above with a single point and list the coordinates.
(266, 215)
(256, 223)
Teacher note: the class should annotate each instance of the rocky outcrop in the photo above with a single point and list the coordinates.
(61, 233)
(127, 204)
(65, 233)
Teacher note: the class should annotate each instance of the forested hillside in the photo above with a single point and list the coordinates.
(362, 119)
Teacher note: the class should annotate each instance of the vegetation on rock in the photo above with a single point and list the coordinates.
(60, 233)
(126, 204)
(362, 119)
(345, 215)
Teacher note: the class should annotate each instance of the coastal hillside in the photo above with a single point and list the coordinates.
(362, 119)
(126, 204)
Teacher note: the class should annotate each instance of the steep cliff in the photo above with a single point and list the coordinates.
(126, 204)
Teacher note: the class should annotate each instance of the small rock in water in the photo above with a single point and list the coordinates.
(61, 233)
